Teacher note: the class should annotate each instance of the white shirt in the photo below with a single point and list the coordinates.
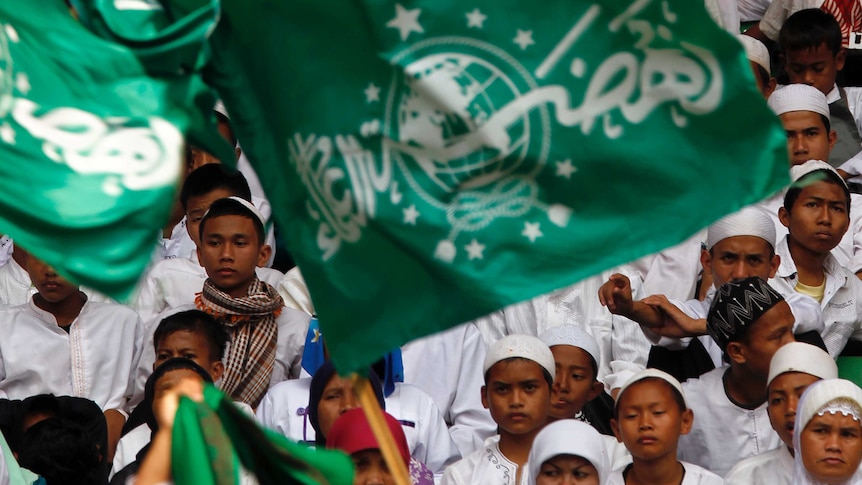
(95, 360)
(294, 291)
(779, 11)
(284, 409)
(17, 289)
(842, 300)
(751, 10)
(723, 433)
(694, 475)
(129, 446)
(771, 468)
(485, 466)
(725, 13)
(173, 283)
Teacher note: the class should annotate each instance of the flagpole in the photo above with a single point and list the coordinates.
(371, 408)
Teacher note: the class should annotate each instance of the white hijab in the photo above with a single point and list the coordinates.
(568, 437)
(827, 396)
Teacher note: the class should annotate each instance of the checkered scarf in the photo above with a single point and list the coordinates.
(250, 321)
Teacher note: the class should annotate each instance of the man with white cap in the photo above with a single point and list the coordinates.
(519, 373)
(794, 367)
(758, 58)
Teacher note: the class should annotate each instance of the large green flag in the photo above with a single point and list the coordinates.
(432, 161)
(91, 132)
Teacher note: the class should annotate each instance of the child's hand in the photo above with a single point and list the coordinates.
(166, 404)
(676, 323)
(616, 294)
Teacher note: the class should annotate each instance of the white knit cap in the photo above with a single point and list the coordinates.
(802, 357)
(523, 346)
(750, 221)
(572, 335)
(220, 108)
(648, 373)
(803, 169)
(248, 205)
(568, 437)
(755, 51)
(798, 97)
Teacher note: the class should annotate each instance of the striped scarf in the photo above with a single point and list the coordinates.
(250, 321)
(848, 13)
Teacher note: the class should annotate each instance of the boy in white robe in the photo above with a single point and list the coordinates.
(794, 367)
(518, 380)
(60, 342)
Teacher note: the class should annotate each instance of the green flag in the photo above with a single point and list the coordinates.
(91, 134)
(210, 439)
(432, 161)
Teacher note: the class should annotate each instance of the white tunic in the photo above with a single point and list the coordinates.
(294, 292)
(771, 468)
(723, 433)
(173, 283)
(485, 466)
(95, 360)
(284, 409)
(694, 475)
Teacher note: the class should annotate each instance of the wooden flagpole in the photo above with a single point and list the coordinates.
(374, 414)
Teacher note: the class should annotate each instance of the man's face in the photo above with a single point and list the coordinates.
(807, 138)
(784, 393)
(815, 67)
(739, 257)
(765, 336)
(518, 396)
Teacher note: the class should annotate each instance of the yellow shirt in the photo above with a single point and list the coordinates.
(815, 292)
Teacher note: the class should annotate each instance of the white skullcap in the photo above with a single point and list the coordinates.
(568, 437)
(750, 221)
(646, 374)
(523, 346)
(572, 335)
(220, 108)
(755, 51)
(798, 97)
(248, 205)
(821, 393)
(802, 357)
(803, 169)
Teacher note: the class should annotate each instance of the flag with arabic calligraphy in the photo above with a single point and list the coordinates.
(434, 161)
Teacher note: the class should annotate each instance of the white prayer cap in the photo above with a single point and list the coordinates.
(523, 346)
(822, 393)
(755, 51)
(651, 373)
(803, 169)
(568, 437)
(798, 97)
(572, 335)
(220, 109)
(750, 221)
(246, 204)
(802, 357)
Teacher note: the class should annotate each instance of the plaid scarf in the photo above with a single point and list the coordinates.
(250, 321)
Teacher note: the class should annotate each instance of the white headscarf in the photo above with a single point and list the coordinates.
(827, 396)
(568, 437)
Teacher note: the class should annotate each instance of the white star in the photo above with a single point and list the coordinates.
(531, 231)
(317, 336)
(406, 21)
(372, 93)
(474, 249)
(566, 169)
(22, 82)
(476, 19)
(524, 39)
(410, 215)
(7, 134)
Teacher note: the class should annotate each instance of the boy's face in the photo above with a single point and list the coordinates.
(807, 138)
(338, 397)
(765, 336)
(230, 251)
(185, 344)
(739, 257)
(574, 381)
(819, 217)
(51, 286)
(649, 421)
(371, 469)
(196, 207)
(816, 67)
(784, 393)
(518, 396)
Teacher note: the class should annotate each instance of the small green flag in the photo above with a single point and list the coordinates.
(432, 161)
(91, 133)
(211, 438)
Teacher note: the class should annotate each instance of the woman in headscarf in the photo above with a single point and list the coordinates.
(568, 449)
(331, 395)
(827, 437)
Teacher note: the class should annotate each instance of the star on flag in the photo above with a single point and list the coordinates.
(531, 231)
(475, 19)
(406, 21)
(524, 39)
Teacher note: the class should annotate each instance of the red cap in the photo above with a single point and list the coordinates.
(351, 433)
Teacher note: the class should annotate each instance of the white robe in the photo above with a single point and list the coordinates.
(694, 475)
(95, 360)
(723, 433)
(485, 466)
(771, 468)
(284, 409)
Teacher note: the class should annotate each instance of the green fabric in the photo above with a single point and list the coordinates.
(17, 475)
(91, 138)
(211, 438)
(850, 368)
(432, 161)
